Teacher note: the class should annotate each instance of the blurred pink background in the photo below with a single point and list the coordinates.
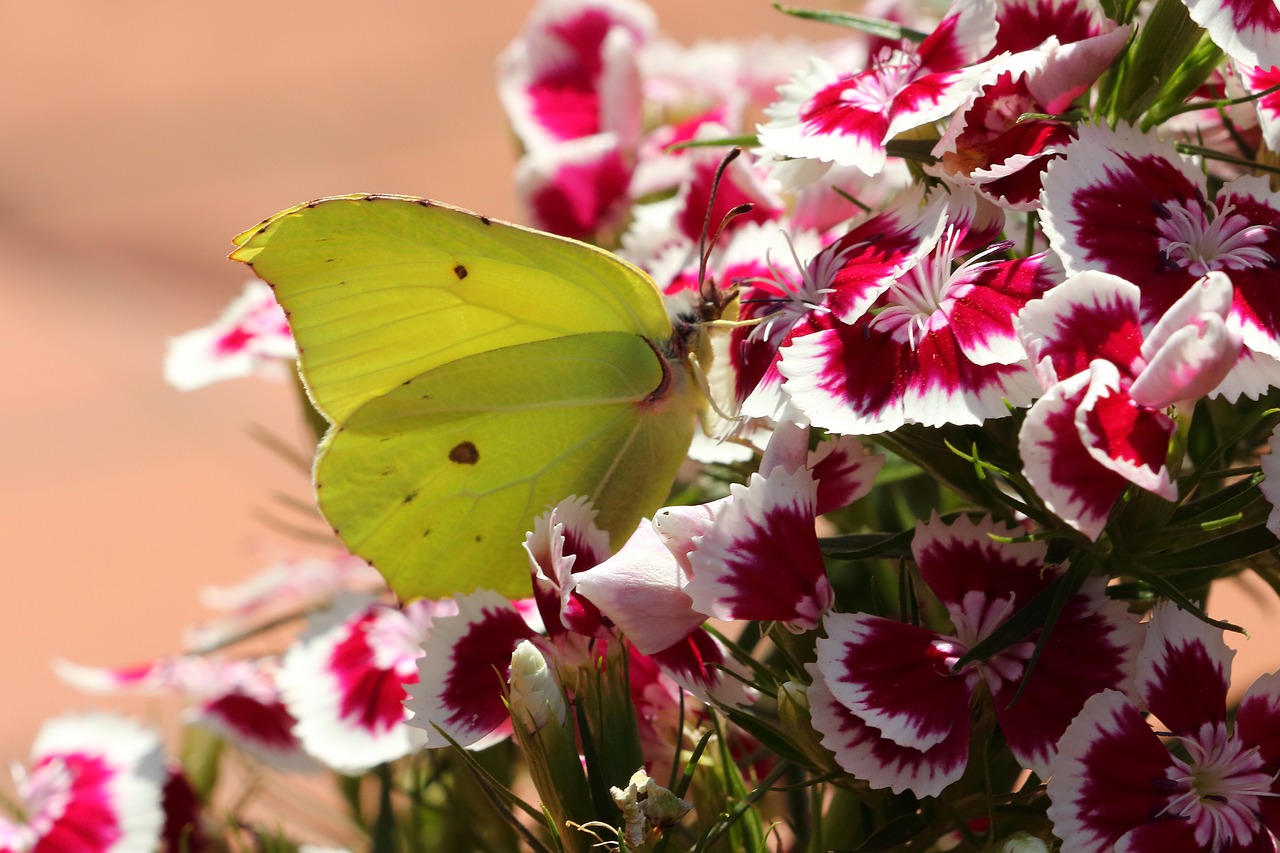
(138, 137)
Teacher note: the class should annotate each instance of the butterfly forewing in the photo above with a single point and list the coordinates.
(381, 289)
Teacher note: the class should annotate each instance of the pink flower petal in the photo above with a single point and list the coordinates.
(1182, 651)
(1246, 30)
(572, 72)
(896, 678)
(760, 559)
(564, 541)
(1057, 464)
(742, 183)
(1063, 48)
(1258, 79)
(855, 270)
(465, 664)
(868, 755)
(960, 559)
(1090, 315)
(251, 338)
(1258, 726)
(640, 590)
(285, 587)
(344, 681)
(237, 699)
(870, 378)
(94, 785)
(845, 471)
(1129, 439)
(1093, 647)
(1105, 200)
(1191, 349)
(1026, 24)
(577, 188)
(698, 663)
(829, 115)
(1106, 777)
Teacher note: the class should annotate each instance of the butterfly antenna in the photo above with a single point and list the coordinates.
(716, 301)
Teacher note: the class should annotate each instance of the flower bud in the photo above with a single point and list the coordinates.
(536, 697)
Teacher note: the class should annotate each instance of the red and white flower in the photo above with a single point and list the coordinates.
(1060, 49)
(573, 72)
(1126, 203)
(94, 786)
(345, 681)
(237, 699)
(886, 696)
(752, 555)
(1248, 31)
(1117, 785)
(251, 338)
(757, 556)
(925, 341)
(1257, 79)
(463, 670)
(577, 188)
(1101, 424)
(571, 88)
(829, 114)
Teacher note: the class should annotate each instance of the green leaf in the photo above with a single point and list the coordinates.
(862, 546)
(1229, 500)
(1217, 552)
(873, 26)
(1040, 612)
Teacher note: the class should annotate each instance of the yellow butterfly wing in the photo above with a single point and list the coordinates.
(436, 481)
(380, 289)
(475, 372)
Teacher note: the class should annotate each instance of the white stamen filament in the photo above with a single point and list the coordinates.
(876, 87)
(1200, 241)
(1219, 788)
(923, 290)
(800, 297)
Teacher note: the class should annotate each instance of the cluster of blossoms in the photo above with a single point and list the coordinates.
(991, 419)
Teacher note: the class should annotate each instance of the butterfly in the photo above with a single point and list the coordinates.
(474, 373)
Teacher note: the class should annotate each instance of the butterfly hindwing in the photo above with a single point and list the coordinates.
(380, 289)
(434, 481)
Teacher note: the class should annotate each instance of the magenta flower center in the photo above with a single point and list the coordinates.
(875, 88)
(917, 302)
(1219, 788)
(1193, 238)
(46, 793)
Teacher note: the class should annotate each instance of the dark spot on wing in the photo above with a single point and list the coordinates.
(409, 497)
(460, 271)
(464, 453)
(478, 537)
(486, 220)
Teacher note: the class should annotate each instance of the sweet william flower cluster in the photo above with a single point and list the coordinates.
(990, 429)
